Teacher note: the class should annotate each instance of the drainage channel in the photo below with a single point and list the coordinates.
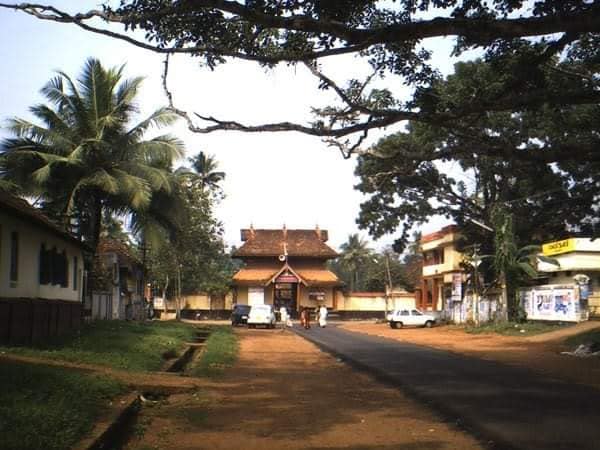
(122, 428)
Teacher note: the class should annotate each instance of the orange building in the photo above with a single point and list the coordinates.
(442, 274)
(285, 267)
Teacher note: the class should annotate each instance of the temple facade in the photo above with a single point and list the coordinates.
(285, 268)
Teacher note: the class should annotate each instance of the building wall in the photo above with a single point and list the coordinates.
(30, 240)
(594, 296)
(304, 300)
(375, 302)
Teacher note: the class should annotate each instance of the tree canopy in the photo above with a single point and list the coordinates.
(497, 158)
(85, 159)
(542, 53)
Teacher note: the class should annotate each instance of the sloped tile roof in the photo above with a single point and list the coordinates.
(21, 208)
(319, 277)
(261, 276)
(307, 243)
(120, 248)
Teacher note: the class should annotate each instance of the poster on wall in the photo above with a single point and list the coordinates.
(456, 295)
(551, 302)
(256, 296)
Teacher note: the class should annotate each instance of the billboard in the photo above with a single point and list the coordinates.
(551, 302)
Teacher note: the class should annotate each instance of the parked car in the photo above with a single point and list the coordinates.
(239, 315)
(261, 315)
(402, 317)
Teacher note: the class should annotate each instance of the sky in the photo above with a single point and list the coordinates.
(271, 178)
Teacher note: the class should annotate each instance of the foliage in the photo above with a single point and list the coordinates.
(49, 407)
(514, 328)
(196, 252)
(220, 353)
(85, 160)
(368, 271)
(205, 167)
(135, 346)
(518, 38)
(461, 170)
(355, 255)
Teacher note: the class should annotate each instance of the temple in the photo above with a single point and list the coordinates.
(285, 267)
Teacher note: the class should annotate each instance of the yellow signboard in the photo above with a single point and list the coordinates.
(558, 247)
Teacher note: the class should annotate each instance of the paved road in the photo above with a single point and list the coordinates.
(512, 407)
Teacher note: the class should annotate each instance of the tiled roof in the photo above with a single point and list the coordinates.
(319, 277)
(261, 276)
(120, 248)
(21, 208)
(311, 277)
(308, 243)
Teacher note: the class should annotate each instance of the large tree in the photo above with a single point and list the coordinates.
(84, 158)
(517, 37)
(464, 171)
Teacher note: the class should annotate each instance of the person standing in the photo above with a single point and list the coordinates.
(323, 316)
(305, 318)
(284, 317)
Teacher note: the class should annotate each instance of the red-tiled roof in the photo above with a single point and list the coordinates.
(308, 243)
(21, 208)
(439, 234)
(249, 276)
(120, 248)
(319, 277)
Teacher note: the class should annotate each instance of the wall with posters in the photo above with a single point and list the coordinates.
(558, 302)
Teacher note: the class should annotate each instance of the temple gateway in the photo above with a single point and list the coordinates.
(285, 268)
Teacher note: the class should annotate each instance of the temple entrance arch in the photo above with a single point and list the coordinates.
(286, 294)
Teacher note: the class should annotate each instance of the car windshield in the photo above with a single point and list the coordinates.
(261, 308)
(242, 308)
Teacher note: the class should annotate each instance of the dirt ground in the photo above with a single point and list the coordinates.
(541, 353)
(284, 393)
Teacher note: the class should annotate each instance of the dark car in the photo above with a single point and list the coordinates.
(239, 314)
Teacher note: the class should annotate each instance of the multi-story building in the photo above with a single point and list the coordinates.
(442, 274)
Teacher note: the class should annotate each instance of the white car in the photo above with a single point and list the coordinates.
(402, 317)
(261, 315)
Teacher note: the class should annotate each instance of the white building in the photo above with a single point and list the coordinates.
(41, 274)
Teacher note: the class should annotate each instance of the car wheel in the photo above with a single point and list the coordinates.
(428, 324)
(393, 325)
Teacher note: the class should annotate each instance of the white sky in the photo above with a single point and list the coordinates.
(271, 178)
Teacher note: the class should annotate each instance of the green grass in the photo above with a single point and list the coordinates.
(49, 408)
(220, 353)
(589, 337)
(122, 345)
(514, 329)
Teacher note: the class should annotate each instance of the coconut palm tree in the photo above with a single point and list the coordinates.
(355, 253)
(512, 264)
(205, 167)
(85, 159)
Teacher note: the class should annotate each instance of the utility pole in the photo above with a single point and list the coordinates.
(476, 262)
(389, 277)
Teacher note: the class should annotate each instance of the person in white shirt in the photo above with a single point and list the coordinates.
(323, 316)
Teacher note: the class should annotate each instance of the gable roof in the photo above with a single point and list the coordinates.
(120, 248)
(307, 243)
(19, 207)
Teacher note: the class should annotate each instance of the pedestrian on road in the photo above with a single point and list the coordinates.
(323, 316)
(305, 318)
(285, 318)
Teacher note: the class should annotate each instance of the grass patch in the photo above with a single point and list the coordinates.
(134, 346)
(514, 329)
(220, 353)
(49, 408)
(589, 337)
